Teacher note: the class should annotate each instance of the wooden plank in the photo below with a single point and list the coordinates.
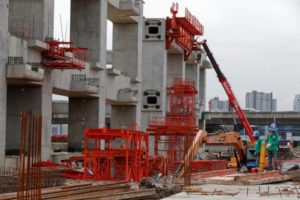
(260, 175)
(140, 194)
(267, 180)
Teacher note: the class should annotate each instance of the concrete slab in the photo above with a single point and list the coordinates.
(25, 72)
(122, 11)
(113, 72)
(37, 45)
(212, 192)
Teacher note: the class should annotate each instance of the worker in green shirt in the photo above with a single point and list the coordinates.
(257, 146)
(272, 143)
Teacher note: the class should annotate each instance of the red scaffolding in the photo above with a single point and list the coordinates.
(114, 154)
(172, 132)
(62, 55)
(183, 30)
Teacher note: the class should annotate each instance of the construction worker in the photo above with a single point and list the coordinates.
(257, 146)
(272, 143)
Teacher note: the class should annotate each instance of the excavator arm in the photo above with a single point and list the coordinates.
(228, 139)
(221, 139)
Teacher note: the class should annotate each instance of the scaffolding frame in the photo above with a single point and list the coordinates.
(114, 154)
(62, 55)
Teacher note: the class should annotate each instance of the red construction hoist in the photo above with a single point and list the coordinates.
(183, 30)
(62, 55)
(170, 133)
(114, 154)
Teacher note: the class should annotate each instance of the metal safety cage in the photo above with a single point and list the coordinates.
(62, 55)
(114, 154)
(173, 133)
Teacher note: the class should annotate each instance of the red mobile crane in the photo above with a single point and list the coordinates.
(233, 102)
(231, 138)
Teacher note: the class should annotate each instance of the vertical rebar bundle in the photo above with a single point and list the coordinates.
(29, 175)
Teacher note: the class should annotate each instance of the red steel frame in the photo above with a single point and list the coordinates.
(61, 55)
(114, 154)
(183, 30)
(208, 165)
(170, 132)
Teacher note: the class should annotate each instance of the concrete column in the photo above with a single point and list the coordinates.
(83, 113)
(154, 85)
(127, 57)
(34, 99)
(123, 116)
(3, 85)
(176, 67)
(31, 18)
(192, 72)
(46, 112)
(202, 97)
(20, 99)
(88, 29)
(127, 52)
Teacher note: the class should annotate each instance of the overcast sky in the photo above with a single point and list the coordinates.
(255, 42)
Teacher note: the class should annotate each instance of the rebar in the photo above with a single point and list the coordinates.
(29, 172)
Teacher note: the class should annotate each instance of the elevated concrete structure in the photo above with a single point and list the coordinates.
(154, 65)
(131, 92)
(254, 118)
(88, 112)
(29, 85)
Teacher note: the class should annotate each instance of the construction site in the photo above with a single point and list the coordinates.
(135, 115)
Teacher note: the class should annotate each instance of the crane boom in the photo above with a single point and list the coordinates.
(233, 102)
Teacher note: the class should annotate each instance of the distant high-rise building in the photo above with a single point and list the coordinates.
(216, 105)
(261, 101)
(297, 103)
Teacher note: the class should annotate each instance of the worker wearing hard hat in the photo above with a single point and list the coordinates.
(272, 143)
(257, 146)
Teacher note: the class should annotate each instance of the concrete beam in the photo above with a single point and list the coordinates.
(254, 118)
(33, 19)
(123, 11)
(24, 72)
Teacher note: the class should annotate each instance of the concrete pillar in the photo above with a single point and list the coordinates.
(88, 29)
(46, 112)
(3, 85)
(31, 18)
(154, 85)
(83, 113)
(34, 99)
(202, 97)
(127, 57)
(31, 102)
(127, 49)
(123, 116)
(176, 67)
(192, 72)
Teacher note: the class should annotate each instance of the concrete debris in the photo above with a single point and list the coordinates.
(245, 179)
(199, 190)
(163, 187)
(213, 192)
